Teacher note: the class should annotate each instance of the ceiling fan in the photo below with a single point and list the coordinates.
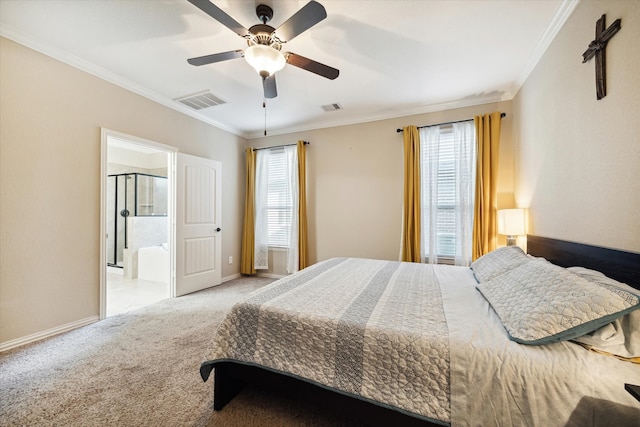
(265, 42)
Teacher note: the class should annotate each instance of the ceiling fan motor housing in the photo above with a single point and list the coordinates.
(263, 34)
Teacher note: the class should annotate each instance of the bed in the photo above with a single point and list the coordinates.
(416, 344)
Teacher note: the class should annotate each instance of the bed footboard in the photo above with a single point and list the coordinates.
(230, 378)
(226, 384)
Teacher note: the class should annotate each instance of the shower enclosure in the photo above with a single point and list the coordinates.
(131, 194)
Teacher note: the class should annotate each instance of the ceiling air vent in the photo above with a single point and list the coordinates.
(332, 107)
(200, 100)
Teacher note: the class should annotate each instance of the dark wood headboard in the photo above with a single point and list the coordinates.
(619, 265)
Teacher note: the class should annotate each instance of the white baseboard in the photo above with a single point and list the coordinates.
(8, 345)
(227, 278)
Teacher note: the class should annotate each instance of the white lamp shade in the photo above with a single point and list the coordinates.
(511, 222)
(264, 59)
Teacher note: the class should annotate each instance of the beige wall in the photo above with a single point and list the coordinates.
(354, 179)
(578, 159)
(51, 115)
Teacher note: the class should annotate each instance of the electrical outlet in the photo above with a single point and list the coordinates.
(230, 260)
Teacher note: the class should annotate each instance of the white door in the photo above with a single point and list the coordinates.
(198, 223)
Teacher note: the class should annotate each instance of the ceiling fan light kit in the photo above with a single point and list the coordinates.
(264, 59)
(263, 53)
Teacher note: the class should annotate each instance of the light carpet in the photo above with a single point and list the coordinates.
(142, 369)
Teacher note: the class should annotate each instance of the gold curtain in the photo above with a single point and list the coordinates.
(248, 240)
(486, 203)
(411, 209)
(303, 252)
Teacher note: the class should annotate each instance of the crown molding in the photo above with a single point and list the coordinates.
(116, 79)
(565, 9)
(424, 109)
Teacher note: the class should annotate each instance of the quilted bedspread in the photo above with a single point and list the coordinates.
(422, 340)
(369, 328)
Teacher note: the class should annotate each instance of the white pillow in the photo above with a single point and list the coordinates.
(622, 336)
(599, 277)
(498, 262)
(539, 302)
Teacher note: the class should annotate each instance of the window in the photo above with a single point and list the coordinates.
(447, 159)
(276, 200)
(279, 207)
(276, 204)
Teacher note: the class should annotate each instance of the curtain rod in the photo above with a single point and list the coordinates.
(447, 123)
(278, 146)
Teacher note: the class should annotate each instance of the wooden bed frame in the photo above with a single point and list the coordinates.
(231, 377)
(619, 265)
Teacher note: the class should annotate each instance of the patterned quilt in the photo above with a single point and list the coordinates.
(369, 328)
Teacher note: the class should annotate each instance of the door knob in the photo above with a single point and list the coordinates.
(218, 229)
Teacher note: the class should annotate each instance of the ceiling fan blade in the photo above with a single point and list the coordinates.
(216, 57)
(313, 66)
(269, 84)
(310, 14)
(221, 16)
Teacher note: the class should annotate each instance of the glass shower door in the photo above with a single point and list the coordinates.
(111, 220)
(120, 196)
(131, 194)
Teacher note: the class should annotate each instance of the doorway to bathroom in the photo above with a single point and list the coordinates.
(137, 212)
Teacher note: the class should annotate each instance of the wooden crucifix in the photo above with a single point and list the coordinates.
(597, 49)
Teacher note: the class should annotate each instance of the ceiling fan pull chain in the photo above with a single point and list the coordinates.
(264, 105)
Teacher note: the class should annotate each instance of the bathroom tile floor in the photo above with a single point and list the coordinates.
(125, 294)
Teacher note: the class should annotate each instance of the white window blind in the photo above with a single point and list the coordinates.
(279, 200)
(447, 191)
(446, 220)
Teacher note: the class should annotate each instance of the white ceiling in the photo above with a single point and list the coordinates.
(396, 58)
